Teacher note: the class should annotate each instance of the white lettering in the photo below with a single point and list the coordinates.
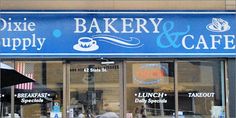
(6, 42)
(40, 42)
(26, 43)
(117, 25)
(4, 24)
(80, 25)
(31, 26)
(127, 23)
(17, 26)
(23, 43)
(214, 40)
(154, 95)
(229, 41)
(201, 41)
(184, 42)
(94, 24)
(201, 94)
(108, 25)
(151, 101)
(156, 24)
(141, 25)
(16, 42)
(140, 100)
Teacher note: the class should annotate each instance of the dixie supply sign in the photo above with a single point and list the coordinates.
(117, 34)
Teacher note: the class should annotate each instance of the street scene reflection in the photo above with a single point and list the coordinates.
(39, 98)
(94, 91)
(150, 89)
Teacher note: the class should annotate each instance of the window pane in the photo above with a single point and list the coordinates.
(5, 104)
(36, 99)
(150, 89)
(94, 90)
(201, 88)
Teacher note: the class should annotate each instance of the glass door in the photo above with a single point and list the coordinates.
(94, 90)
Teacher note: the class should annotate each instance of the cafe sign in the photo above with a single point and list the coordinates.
(117, 34)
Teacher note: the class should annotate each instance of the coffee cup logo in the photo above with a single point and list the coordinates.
(86, 44)
(218, 25)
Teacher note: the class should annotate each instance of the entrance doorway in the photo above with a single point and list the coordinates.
(94, 90)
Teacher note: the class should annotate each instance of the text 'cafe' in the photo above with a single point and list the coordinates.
(125, 62)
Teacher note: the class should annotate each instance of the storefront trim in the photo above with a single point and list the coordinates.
(120, 55)
(119, 12)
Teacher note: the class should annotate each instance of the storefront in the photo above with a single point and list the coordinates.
(121, 63)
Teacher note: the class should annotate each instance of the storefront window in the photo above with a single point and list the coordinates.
(94, 90)
(150, 89)
(42, 98)
(5, 106)
(201, 88)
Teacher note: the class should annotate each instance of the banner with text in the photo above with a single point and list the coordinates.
(117, 34)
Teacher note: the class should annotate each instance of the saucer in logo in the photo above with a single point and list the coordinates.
(86, 44)
(218, 25)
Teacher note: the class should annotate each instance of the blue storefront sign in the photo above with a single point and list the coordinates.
(117, 34)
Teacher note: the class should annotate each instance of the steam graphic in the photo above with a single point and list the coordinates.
(90, 44)
(126, 43)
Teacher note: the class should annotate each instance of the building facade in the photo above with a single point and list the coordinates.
(124, 59)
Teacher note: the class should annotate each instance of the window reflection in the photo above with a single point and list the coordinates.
(201, 88)
(36, 99)
(150, 89)
(94, 91)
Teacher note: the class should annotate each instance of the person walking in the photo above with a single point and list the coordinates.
(142, 112)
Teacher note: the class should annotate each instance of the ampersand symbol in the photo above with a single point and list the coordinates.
(172, 38)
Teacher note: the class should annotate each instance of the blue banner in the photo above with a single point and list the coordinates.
(117, 34)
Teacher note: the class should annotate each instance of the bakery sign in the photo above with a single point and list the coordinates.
(117, 34)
